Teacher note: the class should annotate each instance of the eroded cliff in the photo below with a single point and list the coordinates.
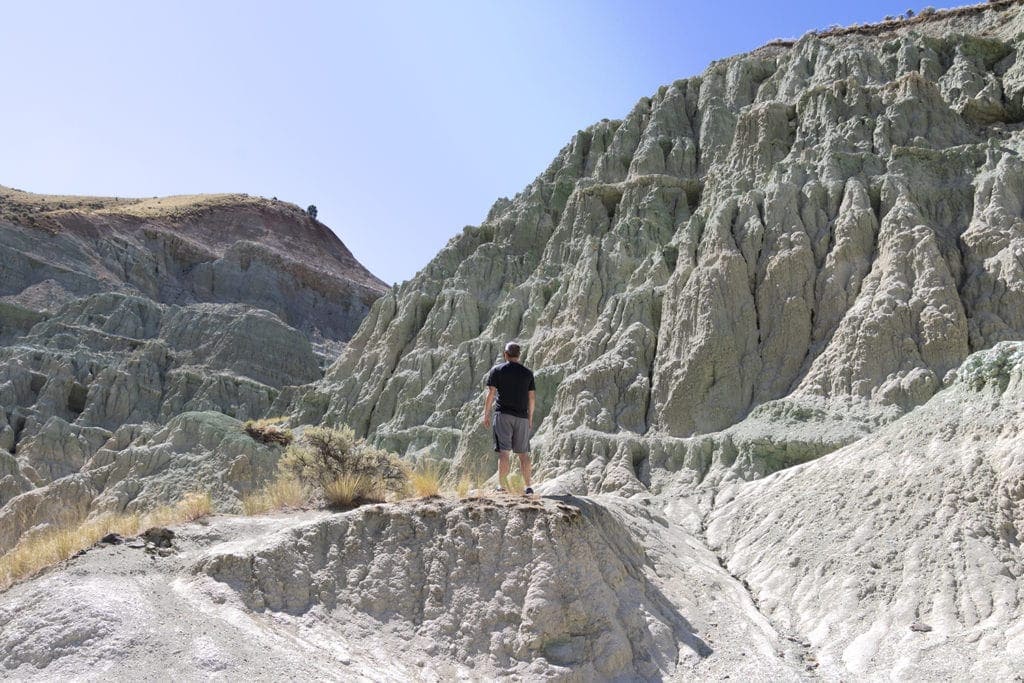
(756, 266)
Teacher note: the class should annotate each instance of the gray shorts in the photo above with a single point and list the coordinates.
(511, 433)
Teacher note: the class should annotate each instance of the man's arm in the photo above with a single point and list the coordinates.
(489, 401)
(533, 400)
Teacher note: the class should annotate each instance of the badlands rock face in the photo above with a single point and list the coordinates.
(756, 266)
(116, 316)
(776, 317)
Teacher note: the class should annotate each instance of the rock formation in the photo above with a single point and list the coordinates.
(116, 316)
(433, 589)
(899, 555)
(756, 266)
(776, 316)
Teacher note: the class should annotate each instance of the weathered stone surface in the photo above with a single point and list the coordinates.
(183, 250)
(788, 263)
(919, 521)
(833, 225)
(534, 588)
(138, 469)
(120, 313)
(109, 360)
(483, 588)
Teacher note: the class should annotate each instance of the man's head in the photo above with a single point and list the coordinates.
(512, 351)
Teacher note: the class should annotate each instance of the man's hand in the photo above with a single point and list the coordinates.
(531, 423)
(487, 420)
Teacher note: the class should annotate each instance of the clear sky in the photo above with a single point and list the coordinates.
(401, 121)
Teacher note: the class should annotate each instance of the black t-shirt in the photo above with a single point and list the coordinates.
(514, 382)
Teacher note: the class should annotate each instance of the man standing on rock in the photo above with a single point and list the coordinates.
(513, 413)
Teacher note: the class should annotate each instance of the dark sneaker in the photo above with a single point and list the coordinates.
(529, 491)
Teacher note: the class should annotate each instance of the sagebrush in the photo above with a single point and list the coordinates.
(324, 455)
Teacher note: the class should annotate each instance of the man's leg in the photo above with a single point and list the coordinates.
(524, 467)
(503, 467)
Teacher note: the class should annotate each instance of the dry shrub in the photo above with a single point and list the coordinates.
(281, 494)
(324, 456)
(53, 545)
(270, 431)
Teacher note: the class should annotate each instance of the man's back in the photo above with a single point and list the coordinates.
(514, 382)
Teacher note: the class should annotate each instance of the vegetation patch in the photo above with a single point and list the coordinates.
(425, 479)
(336, 465)
(284, 493)
(42, 550)
(270, 430)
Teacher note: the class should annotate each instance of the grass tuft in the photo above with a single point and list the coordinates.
(352, 489)
(425, 479)
(194, 506)
(281, 494)
(464, 486)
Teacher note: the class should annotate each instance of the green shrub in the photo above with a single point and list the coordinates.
(322, 456)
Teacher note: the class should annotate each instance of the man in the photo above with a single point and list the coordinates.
(513, 384)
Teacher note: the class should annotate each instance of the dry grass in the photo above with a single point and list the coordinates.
(269, 430)
(283, 493)
(470, 484)
(20, 204)
(354, 489)
(425, 479)
(193, 506)
(55, 545)
(515, 484)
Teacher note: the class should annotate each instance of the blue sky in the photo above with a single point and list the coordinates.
(401, 121)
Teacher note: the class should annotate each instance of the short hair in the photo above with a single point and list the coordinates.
(513, 350)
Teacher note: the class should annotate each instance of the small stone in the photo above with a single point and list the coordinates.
(159, 536)
(920, 627)
(112, 539)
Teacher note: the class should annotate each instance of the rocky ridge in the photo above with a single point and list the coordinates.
(432, 590)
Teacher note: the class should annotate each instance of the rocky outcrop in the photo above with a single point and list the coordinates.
(117, 315)
(182, 250)
(915, 570)
(427, 589)
(511, 584)
(814, 234)
(110, 360)
(137, 469)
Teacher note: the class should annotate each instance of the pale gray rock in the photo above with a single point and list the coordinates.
(136, 469)
(824, 229)
(918, 522)
(109, 360)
